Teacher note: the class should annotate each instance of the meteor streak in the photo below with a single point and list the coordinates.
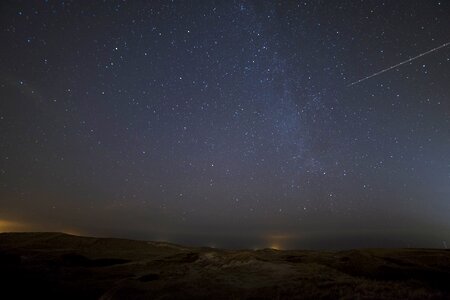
(399, 64)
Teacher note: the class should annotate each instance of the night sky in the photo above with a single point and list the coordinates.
(227, 123)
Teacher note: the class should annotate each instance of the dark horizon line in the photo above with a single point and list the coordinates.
(212, 247)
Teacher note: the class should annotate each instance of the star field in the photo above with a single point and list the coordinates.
(227, 123)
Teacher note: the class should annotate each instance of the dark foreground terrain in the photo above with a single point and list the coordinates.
(57, 265)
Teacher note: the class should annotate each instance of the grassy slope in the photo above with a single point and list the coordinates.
(57, 265)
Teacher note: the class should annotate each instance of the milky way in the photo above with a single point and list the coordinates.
(227, 123)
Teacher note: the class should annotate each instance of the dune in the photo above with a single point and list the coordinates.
(62, 266)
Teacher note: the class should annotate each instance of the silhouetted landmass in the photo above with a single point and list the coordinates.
(57, 265)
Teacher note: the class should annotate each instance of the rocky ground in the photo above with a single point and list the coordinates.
(57, 265)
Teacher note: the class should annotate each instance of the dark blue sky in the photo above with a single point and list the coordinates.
(227, 123)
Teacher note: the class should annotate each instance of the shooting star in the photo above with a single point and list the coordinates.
(399, 64)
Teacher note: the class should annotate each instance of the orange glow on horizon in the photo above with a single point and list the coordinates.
(275, 247)
(11, 226)
(18, 226)
(279, 241)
